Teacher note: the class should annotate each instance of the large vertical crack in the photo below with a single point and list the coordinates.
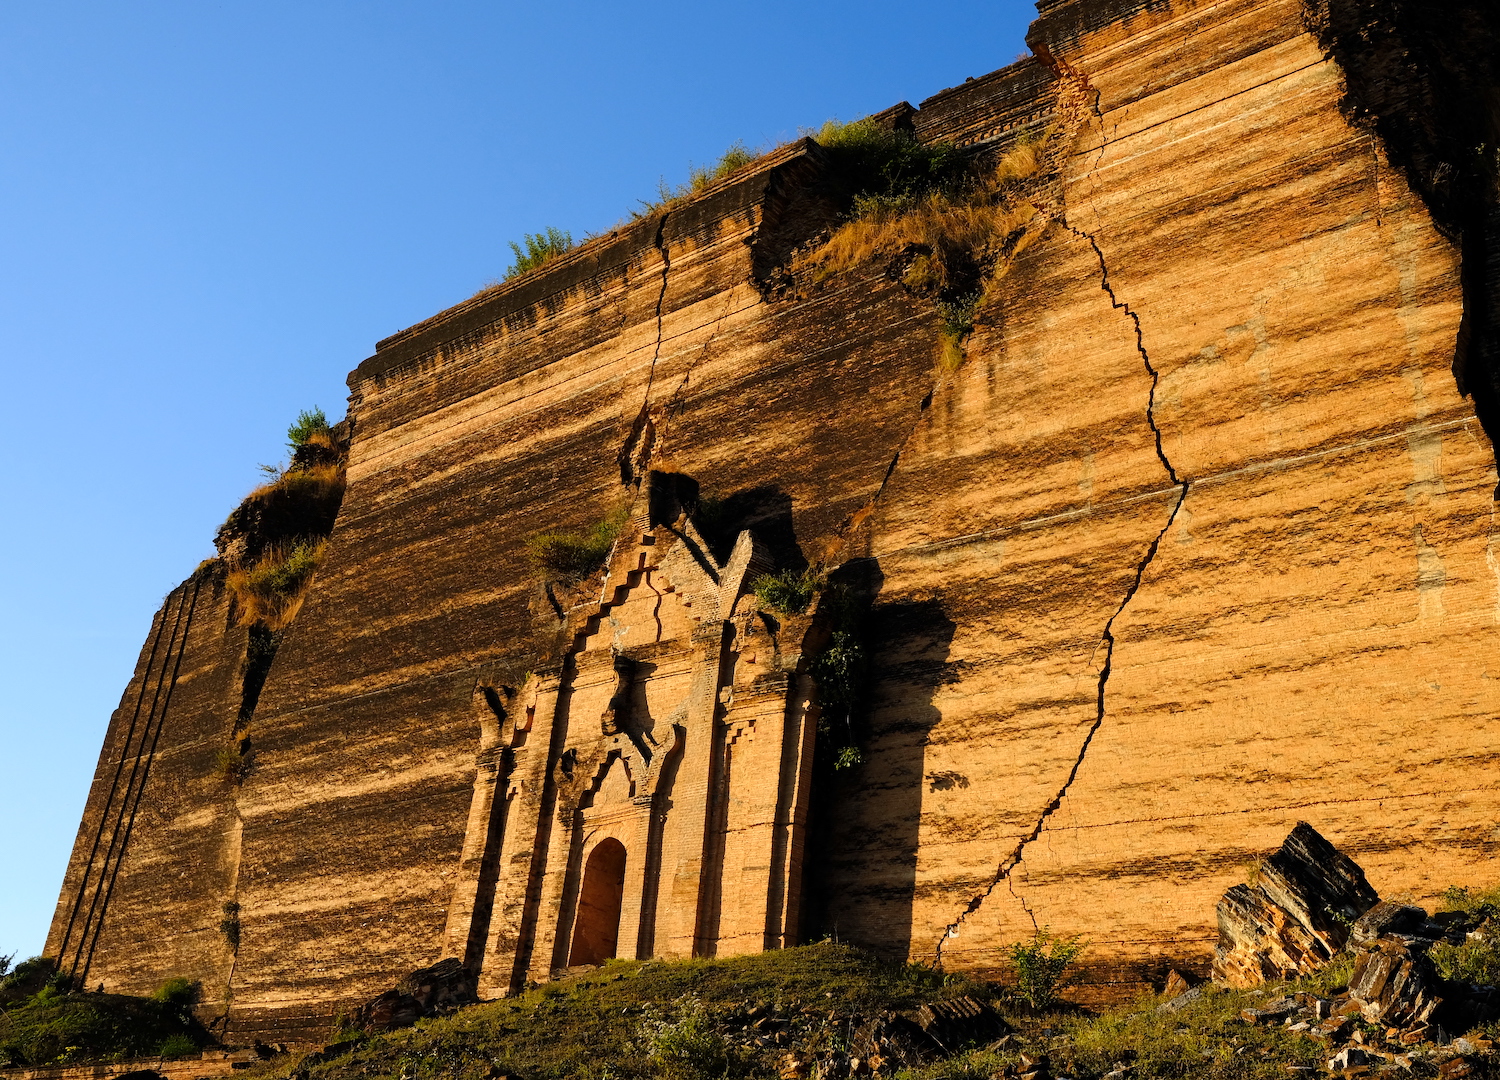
(636, 450)
(1007, 866)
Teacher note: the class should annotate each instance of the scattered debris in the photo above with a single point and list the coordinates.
(959, 1021)
(1178, 983)
(441, 988)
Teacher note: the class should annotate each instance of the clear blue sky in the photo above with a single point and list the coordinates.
(210, 211)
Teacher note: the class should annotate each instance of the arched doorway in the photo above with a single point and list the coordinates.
(597, 929)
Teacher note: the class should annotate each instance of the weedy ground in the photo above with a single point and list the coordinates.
(42, 1022)
(754, 1016)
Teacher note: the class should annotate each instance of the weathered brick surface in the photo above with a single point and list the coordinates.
(1195, 545)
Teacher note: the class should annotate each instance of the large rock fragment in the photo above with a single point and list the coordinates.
(425, 992)
(952, 1024)
(1295, 917)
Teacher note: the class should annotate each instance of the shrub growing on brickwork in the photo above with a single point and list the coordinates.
(1041, 964)
(230, 765)
(273, 541)
(881, 168)
(538, 249)
(787, 592)
(570, 556)
(309, 423)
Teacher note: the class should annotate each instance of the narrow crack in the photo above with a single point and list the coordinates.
(632, 455)
(675, 404)
(1007, 867)
(858, 517)
(661, 299)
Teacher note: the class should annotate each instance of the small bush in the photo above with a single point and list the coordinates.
(229, 765)
(178, 993)
(177, 1046)
(689, 1048)
(309, 422)
(848, 757)
(1477, 959)
(882, 168)
(540, 249)
(568, 556)
(840, 670)
(788, 592)
(1041, 964)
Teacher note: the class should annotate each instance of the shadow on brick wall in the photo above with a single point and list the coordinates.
(863, 878)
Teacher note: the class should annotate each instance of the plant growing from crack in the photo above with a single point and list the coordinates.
(840, 672)
(229, 925)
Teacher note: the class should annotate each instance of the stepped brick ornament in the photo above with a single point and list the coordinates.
(648, 794)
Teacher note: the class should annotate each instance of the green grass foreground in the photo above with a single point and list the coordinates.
(52, 1028)
(756, 1016)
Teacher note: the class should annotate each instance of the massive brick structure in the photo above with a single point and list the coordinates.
(1197, 543)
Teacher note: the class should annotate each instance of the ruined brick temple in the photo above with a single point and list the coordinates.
(1196, 542)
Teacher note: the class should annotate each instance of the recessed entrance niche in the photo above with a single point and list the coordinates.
(597, 930)
(654, 802)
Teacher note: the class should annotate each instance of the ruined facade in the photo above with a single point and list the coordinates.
(1196, 543)
(664, 809)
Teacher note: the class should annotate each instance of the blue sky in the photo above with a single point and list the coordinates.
(210, 212)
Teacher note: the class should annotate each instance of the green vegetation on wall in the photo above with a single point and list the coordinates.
(568, 556)
(537, 250)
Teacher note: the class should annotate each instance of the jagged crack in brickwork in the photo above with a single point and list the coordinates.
(1007, 867)
(639, 444)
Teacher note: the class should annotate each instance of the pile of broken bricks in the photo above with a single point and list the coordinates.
(1307, 904)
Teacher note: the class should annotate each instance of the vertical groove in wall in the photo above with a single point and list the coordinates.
(124, 824)
(114, 787)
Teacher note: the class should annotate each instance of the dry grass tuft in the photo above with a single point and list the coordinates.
(944, 231)
(699, 178)
(950, 350)
(318, 482)
(951, 241)
(270, 590)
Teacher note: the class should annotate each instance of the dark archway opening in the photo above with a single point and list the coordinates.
(597, 929)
